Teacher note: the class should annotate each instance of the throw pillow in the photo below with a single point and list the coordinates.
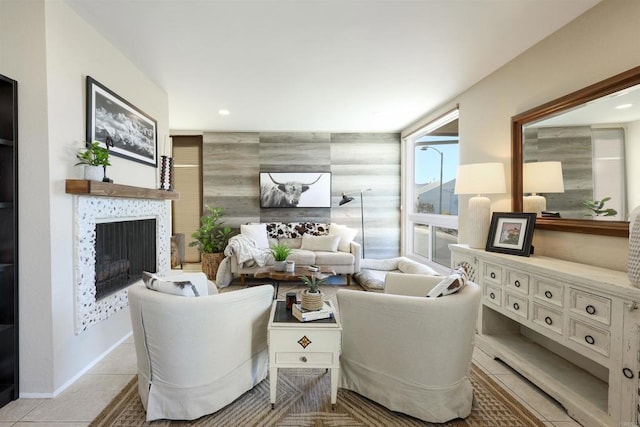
(326, 243)
(180, 287)
(258, 232)
(346, 236)
(450, 285)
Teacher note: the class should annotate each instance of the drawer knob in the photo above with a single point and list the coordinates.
(517, 283)
(589, 339)
(548, 294)
(627, 373)
(548, 321)
(303, 359)
(590, 309)
(492, 295)
(493, 275)
(516, 306)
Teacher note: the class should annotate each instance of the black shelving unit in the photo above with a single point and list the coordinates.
(8, 240)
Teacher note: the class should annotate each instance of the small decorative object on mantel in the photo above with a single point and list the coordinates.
(108, 142)
(312, 297)
(633, 264)
(166, 173)
(95, 160)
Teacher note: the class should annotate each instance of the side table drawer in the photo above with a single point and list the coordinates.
(517, 304)
(303, 359)
(593, 338)
(304, 340)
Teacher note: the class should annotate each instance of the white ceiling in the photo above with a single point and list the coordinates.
(319, 65)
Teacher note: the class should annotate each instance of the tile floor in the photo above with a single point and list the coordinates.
(82, 402)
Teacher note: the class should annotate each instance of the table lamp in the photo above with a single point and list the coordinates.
(479, 178)
(540, 177)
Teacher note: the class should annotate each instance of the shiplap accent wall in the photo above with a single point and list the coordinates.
(357, 161)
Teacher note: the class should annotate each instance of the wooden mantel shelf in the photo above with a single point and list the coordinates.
(83, 187)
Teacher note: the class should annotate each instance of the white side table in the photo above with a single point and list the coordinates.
(294, 344)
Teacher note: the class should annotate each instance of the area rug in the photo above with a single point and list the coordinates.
(303, 400)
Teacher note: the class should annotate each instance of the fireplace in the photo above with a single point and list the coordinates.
(93, 306)
(124, 249)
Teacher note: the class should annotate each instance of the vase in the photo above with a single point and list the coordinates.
(210, 263)
(279, 265)
(311, 300)
(93, 173)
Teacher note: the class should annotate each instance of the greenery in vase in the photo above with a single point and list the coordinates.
(280, 252)
(212, 236)
(313, 283)
(597, 207)
(93, 155)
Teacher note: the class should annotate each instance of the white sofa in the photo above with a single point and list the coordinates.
(373, 272)
(410, 353)
(190, 362)
(311, 244)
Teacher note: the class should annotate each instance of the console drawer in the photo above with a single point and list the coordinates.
(549, 291)
(589, 336)
(547, 317)
(493, 294)
(591, 306)
(517, 281)
(492, 273)
(517, 304)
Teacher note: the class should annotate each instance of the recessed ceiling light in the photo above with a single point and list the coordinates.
(623, 106)
(224, 112)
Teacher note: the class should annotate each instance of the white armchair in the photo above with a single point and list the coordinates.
(410, 353)
(195, 355)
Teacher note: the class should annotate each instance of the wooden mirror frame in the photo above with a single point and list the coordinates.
(587, 226)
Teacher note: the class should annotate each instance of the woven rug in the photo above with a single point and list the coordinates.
(303, 400)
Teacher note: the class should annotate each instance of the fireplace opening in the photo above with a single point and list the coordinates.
(124, 249)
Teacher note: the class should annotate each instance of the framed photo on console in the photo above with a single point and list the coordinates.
(511, 233)
(134, 133)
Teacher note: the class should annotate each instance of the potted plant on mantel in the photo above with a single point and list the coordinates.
(211, 239)
(280, 253)
(312, 297)
(95, 160)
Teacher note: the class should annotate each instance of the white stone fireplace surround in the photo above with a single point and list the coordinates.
(91, 210)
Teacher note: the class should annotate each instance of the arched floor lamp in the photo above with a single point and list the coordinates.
(346, 199)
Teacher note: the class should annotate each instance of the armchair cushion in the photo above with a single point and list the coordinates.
(180, 285)
(326, 243)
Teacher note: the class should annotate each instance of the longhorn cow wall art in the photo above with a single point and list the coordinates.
(295, 189)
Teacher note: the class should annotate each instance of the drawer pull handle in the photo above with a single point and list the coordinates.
(590, 340)
(548, 321)
(303, 359)
(590, 309)
(627, 373)
(548, 294)
(493, 275)
(516, 306)
(517, 283)
(492, 295)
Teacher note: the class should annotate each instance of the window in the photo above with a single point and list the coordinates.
(431, 211)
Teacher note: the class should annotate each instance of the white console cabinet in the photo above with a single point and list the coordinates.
(571, 329)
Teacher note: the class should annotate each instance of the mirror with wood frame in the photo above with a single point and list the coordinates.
(576, 111)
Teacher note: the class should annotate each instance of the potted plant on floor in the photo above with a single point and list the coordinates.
(312, 298)
(95, 159)
(211, 239)
(280, 253)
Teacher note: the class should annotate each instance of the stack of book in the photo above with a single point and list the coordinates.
(303, 315)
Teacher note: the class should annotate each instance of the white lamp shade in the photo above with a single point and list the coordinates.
(480, 178)
(542, 177)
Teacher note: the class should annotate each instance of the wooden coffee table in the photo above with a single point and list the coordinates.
(283, 276)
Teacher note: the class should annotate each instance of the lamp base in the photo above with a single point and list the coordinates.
(478, 221)
(535, 204)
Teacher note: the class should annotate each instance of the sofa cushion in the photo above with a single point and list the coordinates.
(302, 257)
(328, 243)
(346, 236)
(333, 258)
(258, 232)
(293, 243)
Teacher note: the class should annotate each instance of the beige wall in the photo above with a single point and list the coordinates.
(599, 44)
(49, 50)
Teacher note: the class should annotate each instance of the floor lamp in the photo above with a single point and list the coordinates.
(479, 178)
(346, 199)
(540, 177)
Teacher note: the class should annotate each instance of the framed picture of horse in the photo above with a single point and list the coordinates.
(295, 189)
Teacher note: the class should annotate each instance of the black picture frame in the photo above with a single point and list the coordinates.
(511, 233)
(304, 189)
(133, 132)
